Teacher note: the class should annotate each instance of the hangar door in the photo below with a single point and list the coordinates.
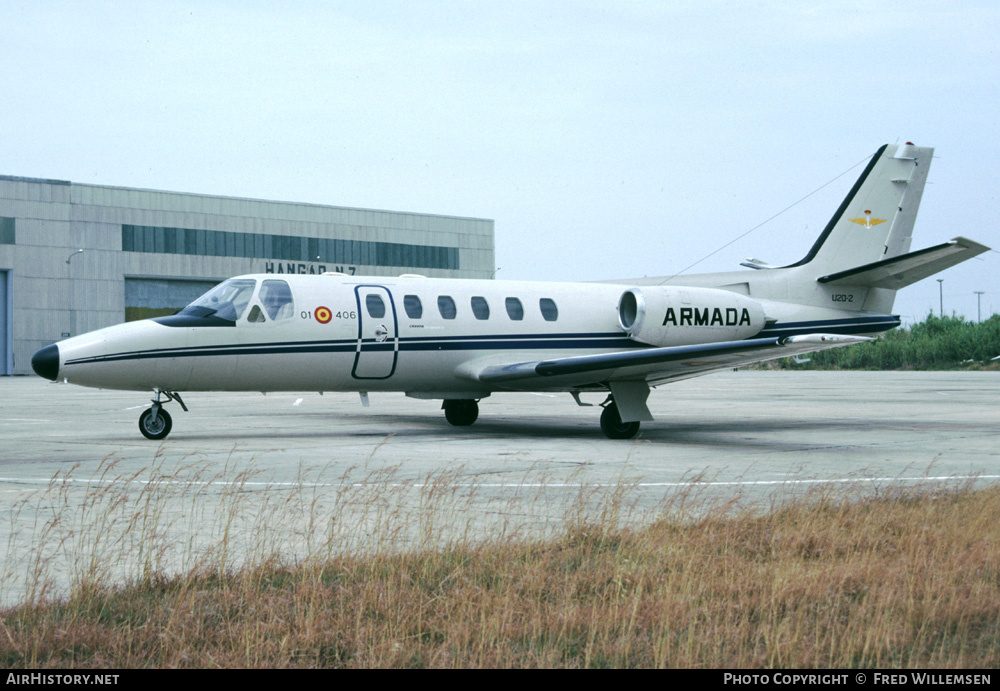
(157, 297)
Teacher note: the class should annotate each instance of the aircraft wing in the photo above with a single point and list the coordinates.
(654, 365)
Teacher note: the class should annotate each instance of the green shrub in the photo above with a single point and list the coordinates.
(935, 343)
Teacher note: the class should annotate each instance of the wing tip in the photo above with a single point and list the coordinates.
(825, 339)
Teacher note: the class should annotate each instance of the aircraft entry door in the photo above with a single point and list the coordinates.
(378, 342)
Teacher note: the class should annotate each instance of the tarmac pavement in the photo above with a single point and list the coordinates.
(530, 463)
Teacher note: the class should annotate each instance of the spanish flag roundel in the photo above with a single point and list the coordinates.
(323, 315)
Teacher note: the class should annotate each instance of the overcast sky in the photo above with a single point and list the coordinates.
(606, 139)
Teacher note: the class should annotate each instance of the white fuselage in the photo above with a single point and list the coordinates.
(335, 337)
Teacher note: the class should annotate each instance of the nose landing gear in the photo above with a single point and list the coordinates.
(155, 423)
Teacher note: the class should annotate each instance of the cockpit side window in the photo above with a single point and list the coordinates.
(256, 316)
(276, 297)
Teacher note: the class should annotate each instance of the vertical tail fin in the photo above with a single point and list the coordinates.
(875, 220)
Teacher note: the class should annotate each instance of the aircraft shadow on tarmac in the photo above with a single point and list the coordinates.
(766, 432)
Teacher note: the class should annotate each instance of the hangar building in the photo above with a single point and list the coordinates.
(148, 253)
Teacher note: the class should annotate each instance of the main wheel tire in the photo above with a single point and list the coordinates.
(155, 427)
(461, 413)
(613, 427)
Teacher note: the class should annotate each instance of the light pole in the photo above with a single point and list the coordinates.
(979, 300)
(72, 295)
(941, 297)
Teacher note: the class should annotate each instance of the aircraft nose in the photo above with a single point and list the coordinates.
(46, 362)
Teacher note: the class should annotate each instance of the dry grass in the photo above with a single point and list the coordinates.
(830, 580)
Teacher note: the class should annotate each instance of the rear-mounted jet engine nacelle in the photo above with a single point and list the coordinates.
(668, 316)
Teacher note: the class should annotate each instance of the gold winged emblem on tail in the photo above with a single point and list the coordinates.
(867, 221)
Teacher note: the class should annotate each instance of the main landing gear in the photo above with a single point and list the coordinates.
(612, 425)
(464, 412)
(461, 412)
(155, 423)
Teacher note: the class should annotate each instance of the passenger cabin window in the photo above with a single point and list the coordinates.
(375, 306)
(276, 297)
(446, 306)
(411, 303)
(514, 309)
(480, 308)
(549, 310)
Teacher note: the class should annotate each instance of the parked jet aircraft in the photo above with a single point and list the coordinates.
(462, 340)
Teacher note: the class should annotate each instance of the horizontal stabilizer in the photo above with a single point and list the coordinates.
(901, 271)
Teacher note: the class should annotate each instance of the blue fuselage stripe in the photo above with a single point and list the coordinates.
(448, 343)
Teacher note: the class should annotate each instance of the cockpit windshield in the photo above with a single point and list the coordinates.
(226, 301)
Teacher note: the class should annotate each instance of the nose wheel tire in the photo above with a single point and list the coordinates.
(612, 425)
(155, 423)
